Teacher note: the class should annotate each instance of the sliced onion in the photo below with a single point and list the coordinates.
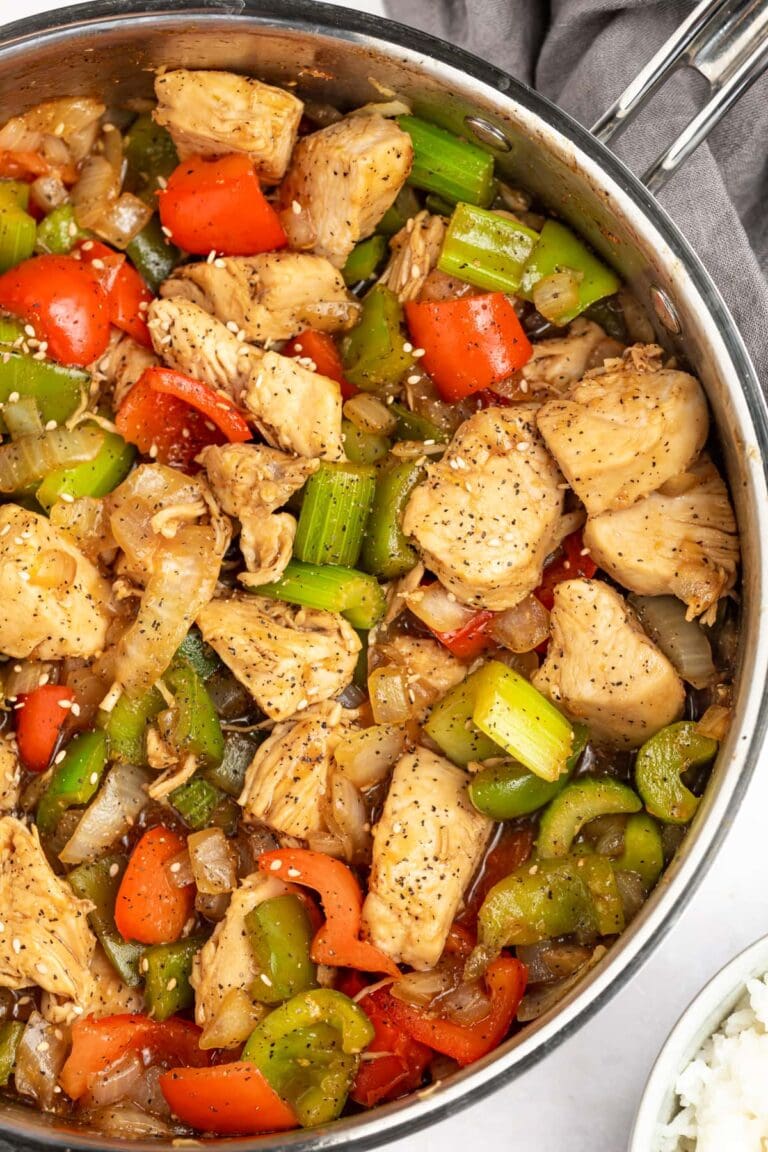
(423, 988)
(87, 522)
(236, 1018)
(40, 1057)
(179, 870)
(390, 701)
(715, 722)
(123, 220)
(682, 641)
(214, 867)
(346, 816)
(557, 295)
(22, 418)
(633, 893)
(466, 1005)
(113, 813)
(97, 188)
(28, 461)
(522, 628)
(549, 960)
(25, 675)
(48, 192)
(127, 1121)
(438, 608)
(606, 833)
(213, 907)
(540, 998)
(117, 1081)
(370, 414)
(328, 843)
(366, 756)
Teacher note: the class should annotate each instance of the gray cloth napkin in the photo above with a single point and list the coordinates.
(581, 54)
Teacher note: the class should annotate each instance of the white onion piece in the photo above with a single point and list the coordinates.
(467, 1005)
(179, 870)
(48, 192)
(123, 220)
(370, 414)
(86, 521)
(118, 1081)
(632, 891)
(22, 418)
(29, 460)
(114, 811)
(557, 295)
(390, 701)
(549, 960)
(366, 756)
(715, 722)
(126, 1121)
(236, 1018)
(541, 998)
(97, 188)
(422, 988)
(346, 816)
(522, 628)
(438, 608)
(40, 1057)
(682, 641)
(28, 676)
(214, 867)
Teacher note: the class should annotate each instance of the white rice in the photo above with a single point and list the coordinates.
(724, 1091)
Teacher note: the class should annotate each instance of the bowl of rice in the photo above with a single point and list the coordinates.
(708, 1090)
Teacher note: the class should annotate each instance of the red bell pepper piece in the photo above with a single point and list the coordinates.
(39, 722)
(231, 1099)
(218, 205)
(569, 565)
(465, 1043)
(215, 406)
(98, 1043)
(126, 291)
(149, 908)
(338, 941)
(321, 349)
(472, 639)
(470, 343)
(401, 1070)
(61, 297)
(513, 849)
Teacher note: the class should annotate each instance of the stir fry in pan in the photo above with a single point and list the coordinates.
(367, 615)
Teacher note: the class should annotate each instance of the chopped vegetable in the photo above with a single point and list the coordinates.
(126, 725)
(239, 751)
(334, 513)
(152, 254)
(398, 214)
(57, 391)
(643, 850)
(572, 564)
(196, 801)
(452, 728)
(218, 205)
(469, 344)
(109, 817)
(95, 477)
(149, 909)
(447, 165)
(280, 934)
(400, 1061)
(75, 780)
(365, 259)
(321, 349)
(99, 883)
(507, 790)
(558, 250)
(413, 426)
(194, 651)
(24, 463)
(214, 406)
(150, 156)
(471, 639)
(363, 447)
(18, 233)
(59, 232)
(233, 1099)
(11, 1032)
(577, 804)
(660, 764)
(374, 353)
(165, 428)
(194, 726)
(39, 723)
(486, 249)
(167, 968)
(386, 551)
(358, 597)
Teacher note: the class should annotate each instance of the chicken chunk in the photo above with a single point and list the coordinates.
(681, 540)
(485, 517)
(625, 429)
(123, 363)
(215, 113)
(250, 481)
(55, 603)
(295, 408)
(341, 181)
(286, 657)
(226, 962)
(189, 339)
(426, 847)
(557, 363)
(45, 938)
(10, 776)
(428, 668)
(110, 995)
(415, 252)
(288, 777)
(268, 297)
(602, 668)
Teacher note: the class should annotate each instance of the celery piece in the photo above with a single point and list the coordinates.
(374, 353)
(357, 596)
(58, 391)
(196, 801)
(11, 330)
(152, 254)
(95, 477)
(412, 426)
(337, 503)
(363, 447)
(437, 206)
(126, 726)
(364, 259)
(486, 249)
(58, 232)
(448, 166)
(576, 805)
(386, 551)
(451, 727)
(559, 249)
(397, 216)
(18, 232)
(526, 725)
(14, 194)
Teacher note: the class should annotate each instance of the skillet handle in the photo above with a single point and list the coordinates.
(727, 42)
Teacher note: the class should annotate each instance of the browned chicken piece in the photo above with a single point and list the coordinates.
(45, 940)
(268, 297)
(485, 518)
(288, 778)
(428, 668)
(426, 848)
(341, 181)
(557, 363)
(63, 131)
(214, 113)
(415, 252)
(226, 965)
(10, 775)
(625, 429)
(123, 363)
(189, 339)
(601, 667)
(287, 657)
(55, 603)
(295, 408)
(681, 540)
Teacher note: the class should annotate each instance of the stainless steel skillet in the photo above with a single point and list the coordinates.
(111, 49)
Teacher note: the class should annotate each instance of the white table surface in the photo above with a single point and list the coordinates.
(582, 1098)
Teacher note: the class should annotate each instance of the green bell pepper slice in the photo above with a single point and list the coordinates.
(363, 447)
(318, 1006)
(10, 330)
(386, 551)
(660, 764)
(576, 805)
(374, 352)
(451, 727)
(58, 391)
(194, 726)
(506, 791)
(58, 232)
(397, 216)
(194, 651)
(75, 780)
(95, 477)
(486, 249)
(446, 165)
(308, 1068)
(11, 1032)
(167, 969)
(239, 751)
(99, 882)
(152, 254)
(150, 156)
(126, 726)
(365, 259)
(412, 426)
(643, 851)
(18, 230)
(196, 802)
(280, 935)
(558, 249)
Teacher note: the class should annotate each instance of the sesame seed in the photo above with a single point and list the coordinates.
(67, 497)
(296, 208)
(276, 865)
(16, 945)
(114, 869)
(265, 979)
(413, 379)
(407, 347)
(293, 873)
(166, 231)
(171, 984)
(51, 425)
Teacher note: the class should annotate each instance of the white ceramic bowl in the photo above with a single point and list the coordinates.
(701, 1019)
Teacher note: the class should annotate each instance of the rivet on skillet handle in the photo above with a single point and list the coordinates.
(727, 42)
(488, 133)
(665, 310)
